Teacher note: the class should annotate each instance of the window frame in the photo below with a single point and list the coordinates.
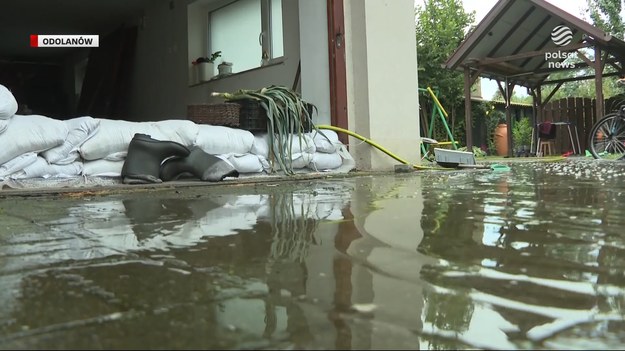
(265, 37)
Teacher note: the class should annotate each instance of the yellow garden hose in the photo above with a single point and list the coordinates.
(495, 167)
(437, 102)
(376, 145)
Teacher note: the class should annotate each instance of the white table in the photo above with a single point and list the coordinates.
(570, 126)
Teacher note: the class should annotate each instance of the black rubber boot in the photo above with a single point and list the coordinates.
(145, 155)
(200, 164)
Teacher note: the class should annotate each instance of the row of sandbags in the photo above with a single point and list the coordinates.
(38, 146)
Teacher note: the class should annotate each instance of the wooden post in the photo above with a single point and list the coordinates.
(508, 96)
(599, 82)
(534, 94)
(467, 108)
(539, 98)
(338, 67)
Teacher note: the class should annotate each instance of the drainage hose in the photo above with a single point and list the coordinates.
(376, 145)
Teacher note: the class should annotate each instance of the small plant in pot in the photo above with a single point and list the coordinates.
(214, 56)
(206, 66)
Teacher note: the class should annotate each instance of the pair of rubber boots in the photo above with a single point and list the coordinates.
(144, 162)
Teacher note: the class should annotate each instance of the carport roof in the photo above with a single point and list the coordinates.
(513, 38)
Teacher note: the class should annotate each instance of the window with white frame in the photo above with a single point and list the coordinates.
(247, 32)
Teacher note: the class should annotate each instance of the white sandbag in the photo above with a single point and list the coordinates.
(115, 136)
(217, 140)
(8, 104)
(301, 160)
(42, 169)
(260, 146)
(70, 158)
(265, 163)
(31, 133)
(323, 161)
(17, 164)
(181, 131)
(298, 161)
(246, 163)
(348, 162)
(102, 168)
(80, 129)
(4, 124)
(303, 144)
(178, 130)
(325, 140)
(116, 156)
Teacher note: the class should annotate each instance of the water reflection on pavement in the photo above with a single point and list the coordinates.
(531, 258)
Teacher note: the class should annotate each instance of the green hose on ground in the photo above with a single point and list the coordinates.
(378, 146)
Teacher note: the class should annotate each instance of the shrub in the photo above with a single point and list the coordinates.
(522, 133)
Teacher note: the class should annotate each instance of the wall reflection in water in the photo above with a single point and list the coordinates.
(428, 261)
(322, 265)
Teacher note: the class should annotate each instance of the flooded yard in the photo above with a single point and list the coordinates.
(533, 257)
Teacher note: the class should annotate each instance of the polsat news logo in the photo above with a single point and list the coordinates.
(64, 41)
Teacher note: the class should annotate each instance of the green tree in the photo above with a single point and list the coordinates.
(440, 28)
(498, 96)
(606, 14)
(582, 88)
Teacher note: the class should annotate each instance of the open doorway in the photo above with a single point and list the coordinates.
(50, 81)
(37, 86)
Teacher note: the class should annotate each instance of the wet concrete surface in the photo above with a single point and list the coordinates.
(525, 259)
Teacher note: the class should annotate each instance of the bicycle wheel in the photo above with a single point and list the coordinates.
(607, 138)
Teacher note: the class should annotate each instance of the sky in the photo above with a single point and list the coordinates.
(481, 8)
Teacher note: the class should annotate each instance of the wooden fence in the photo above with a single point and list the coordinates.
(579, 111)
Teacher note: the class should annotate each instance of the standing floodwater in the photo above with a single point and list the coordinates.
(525, 259)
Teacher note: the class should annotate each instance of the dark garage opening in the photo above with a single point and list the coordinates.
(68, 82)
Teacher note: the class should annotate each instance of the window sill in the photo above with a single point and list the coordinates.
(273, 62)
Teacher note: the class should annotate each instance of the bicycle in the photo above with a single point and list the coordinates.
(607, 136)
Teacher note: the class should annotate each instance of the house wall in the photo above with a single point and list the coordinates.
(382, 80)
(381, 70)
(161, 88)
(159, 84)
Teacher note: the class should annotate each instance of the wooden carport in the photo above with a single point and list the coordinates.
(521, 42)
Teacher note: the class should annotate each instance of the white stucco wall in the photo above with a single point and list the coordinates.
(381, 70)
(382, 83)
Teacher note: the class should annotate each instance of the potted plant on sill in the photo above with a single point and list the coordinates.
(205, 66)
(288, 116)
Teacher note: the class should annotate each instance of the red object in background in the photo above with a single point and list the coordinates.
(34, 42)
(546, 130)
